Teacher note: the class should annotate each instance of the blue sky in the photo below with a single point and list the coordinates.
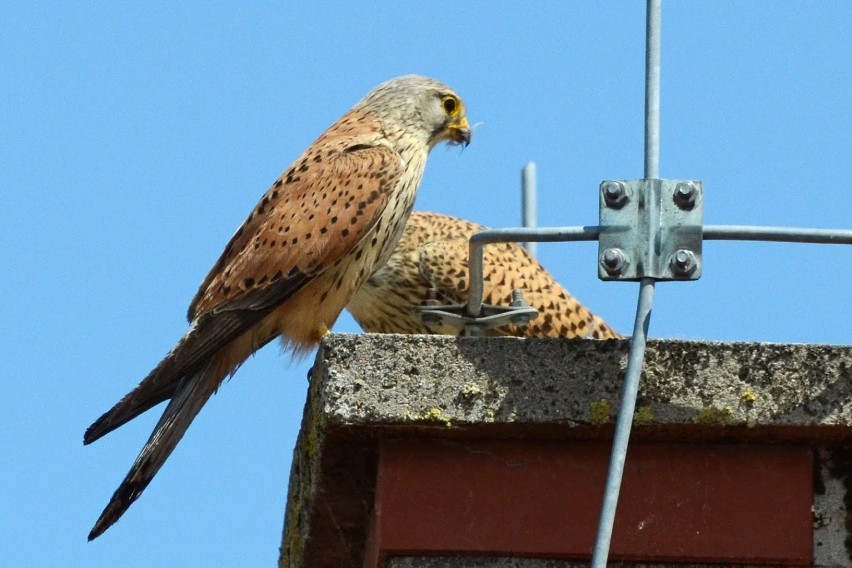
(135, 138)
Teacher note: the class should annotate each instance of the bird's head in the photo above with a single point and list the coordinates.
(425, 107)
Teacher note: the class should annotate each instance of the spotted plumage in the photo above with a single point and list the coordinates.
(324, 226)
(433, 253)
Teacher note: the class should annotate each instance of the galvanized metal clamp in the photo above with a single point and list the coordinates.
(650, 228)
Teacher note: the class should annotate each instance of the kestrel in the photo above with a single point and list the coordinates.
(433, 253)
(324, 226)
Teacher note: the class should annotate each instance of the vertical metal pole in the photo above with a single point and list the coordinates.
(528, 202)
(652, 90)
(646, 298)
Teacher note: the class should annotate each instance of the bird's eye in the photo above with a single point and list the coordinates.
(450, 104)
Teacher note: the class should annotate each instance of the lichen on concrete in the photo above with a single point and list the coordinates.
(713, 416)
(600, 412)
(644, 415)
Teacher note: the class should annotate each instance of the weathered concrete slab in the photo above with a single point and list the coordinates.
(403, 380)
(366, 387)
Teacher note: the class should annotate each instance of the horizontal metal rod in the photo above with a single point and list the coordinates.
(540, 234)
(782, 234)
(592, 232)
(710, 233)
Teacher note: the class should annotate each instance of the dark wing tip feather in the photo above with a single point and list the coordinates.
(101, 426)
(191, 395)
(93, 432)
(121, 500)
(144, 397)
(210, 332)
(188, 390)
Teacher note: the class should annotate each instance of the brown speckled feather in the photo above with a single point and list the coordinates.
(323, 227)
(314, 214)
(433, 253)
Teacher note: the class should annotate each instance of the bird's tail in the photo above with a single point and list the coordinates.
(189, 397)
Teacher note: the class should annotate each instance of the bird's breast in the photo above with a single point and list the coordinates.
(310, 313)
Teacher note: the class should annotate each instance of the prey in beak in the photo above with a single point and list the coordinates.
(459, 131)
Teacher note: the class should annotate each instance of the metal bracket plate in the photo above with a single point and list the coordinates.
(650, 229)
(518, 312)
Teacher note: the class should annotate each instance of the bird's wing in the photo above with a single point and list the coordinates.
(315, 213)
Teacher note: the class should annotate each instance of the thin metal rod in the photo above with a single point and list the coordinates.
(636, 356)
(652, 90)
(782, 234)
(542, 234)
(635, 359)
(591, 233)
(528, 203)
(539, 234)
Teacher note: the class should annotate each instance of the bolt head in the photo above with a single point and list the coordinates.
(613, 260)
(615, 193)
(683, 262)
(685, 194)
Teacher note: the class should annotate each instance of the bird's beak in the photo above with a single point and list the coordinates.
(459, 131)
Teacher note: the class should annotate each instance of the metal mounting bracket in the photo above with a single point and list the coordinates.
(650, 229)
(518, 313)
